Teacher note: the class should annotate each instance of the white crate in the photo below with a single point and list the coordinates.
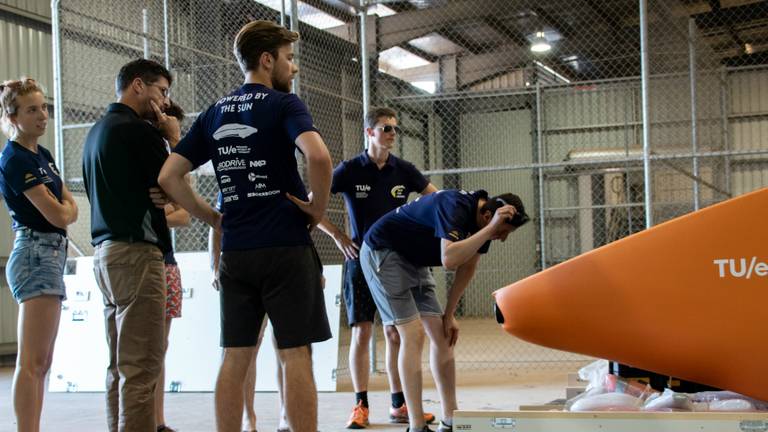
(552, 421)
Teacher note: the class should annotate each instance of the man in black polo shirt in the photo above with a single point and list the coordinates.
(372, 183)
(268, 263)
(122, 157)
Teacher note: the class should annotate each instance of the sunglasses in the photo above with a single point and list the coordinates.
(519, 219)
(390, 129)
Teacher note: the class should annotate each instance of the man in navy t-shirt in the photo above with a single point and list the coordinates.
(268, 264)
(372, 183)
(449, 228)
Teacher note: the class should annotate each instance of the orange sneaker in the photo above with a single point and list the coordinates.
(359, 417)
(400, 415)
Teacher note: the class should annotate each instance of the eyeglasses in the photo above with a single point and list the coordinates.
(165, 91)
(390, 129)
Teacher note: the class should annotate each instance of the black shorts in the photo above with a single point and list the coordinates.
(357, 295)
(283, 282)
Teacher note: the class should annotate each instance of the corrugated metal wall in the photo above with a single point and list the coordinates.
(41, 8)
(25, 41)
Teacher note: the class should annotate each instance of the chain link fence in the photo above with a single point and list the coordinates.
(545, 99)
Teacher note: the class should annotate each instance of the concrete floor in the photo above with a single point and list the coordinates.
(189, 412)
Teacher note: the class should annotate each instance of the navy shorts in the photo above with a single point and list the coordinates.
(357, 296)
(36, 265)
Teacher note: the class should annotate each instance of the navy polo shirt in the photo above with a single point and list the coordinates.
(371, 192)
(250, 137)
(22, 169)
(415, 230)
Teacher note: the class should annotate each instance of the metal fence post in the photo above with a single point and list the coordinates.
(166, 48)
(145, 31)
(694, 137)
(57, 93)
(646, 121)
(296, 47)
(540, 161)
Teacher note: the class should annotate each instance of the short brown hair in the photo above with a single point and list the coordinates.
(258, 37)
(174, 110)
(9, 91)
(375, 113)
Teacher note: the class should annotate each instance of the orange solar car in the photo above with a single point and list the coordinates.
(687, 298)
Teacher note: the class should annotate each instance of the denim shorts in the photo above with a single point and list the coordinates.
(36, 265)
(403, 292)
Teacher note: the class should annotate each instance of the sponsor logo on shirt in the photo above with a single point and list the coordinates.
(398, 191)
(260, 186)
(263, 194)
(231, 165)
(253, 176)
(228, 190)
(257, 163)
(231, 198)
(234, 130)
(225, 179)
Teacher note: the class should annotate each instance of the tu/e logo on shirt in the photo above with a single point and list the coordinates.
(398, 191)
(230, 150)
(361, 191)
(44, 178)
(53, 168)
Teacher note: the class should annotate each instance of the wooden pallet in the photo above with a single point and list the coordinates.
(552, 421)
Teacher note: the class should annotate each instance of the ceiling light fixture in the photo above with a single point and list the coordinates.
(540, 44)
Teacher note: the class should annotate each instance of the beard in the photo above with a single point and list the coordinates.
(280, 85)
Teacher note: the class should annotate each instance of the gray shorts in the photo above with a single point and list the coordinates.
(403, 292)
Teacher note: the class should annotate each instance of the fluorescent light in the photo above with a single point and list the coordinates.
(380, 10)
(552, 71)
(427, 86)
(317, 18)
(540, 44)
(398, 58)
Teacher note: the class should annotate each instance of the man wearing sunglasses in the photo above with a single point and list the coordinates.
(450, 228)
(372, 183)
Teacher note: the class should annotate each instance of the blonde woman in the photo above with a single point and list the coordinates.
(41, 208)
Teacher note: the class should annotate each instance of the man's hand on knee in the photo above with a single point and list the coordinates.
(450, 329)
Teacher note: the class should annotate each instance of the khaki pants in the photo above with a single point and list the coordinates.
(132, 279)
